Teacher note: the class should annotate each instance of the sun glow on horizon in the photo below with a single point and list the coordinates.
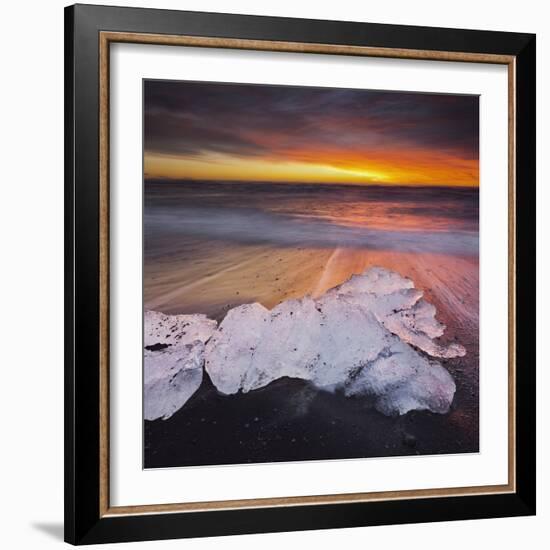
(414, 170)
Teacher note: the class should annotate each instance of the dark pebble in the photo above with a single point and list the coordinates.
(409, 440)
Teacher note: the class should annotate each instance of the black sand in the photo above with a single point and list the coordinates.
(290, 420)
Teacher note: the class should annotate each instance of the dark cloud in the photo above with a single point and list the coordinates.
(191, 118)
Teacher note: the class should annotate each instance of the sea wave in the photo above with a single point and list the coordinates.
(251, 226)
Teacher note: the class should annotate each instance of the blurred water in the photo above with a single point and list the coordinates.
(407, 219)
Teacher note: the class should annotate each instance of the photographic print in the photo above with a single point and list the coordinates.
(311, 273)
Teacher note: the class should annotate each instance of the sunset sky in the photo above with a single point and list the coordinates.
(243, 132)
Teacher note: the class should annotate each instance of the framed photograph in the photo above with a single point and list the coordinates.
(300, 274)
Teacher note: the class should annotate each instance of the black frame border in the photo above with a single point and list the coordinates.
(83, 522)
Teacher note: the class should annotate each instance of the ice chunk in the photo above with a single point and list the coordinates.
(229, 353)
(173, 360)
(361, 337)
(401, 380)
(376, 280)
(175, 330)
(333, 342)
(400, 308)
(170, 378)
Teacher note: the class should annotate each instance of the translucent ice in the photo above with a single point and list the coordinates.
(361, 337)
(400, 308)
(173, 360)
(355, 337)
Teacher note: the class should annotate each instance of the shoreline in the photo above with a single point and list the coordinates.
(299, 422)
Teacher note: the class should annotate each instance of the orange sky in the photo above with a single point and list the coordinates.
(207, 131)
(421, 168)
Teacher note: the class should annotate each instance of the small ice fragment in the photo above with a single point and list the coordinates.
(173, 360)
(171, 377)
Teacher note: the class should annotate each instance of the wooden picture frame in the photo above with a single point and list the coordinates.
(89, 33)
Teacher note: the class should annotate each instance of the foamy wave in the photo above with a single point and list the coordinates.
(251, 226)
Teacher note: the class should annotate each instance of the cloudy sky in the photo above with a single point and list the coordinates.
(243, 132)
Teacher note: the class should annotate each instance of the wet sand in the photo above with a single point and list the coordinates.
(229, 276)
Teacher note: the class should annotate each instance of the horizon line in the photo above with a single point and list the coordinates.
(161, 179)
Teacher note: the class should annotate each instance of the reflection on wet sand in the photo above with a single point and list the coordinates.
(229, 276)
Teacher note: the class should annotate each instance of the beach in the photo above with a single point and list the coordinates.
(212, 246)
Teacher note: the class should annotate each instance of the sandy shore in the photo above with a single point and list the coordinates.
(221, 276)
